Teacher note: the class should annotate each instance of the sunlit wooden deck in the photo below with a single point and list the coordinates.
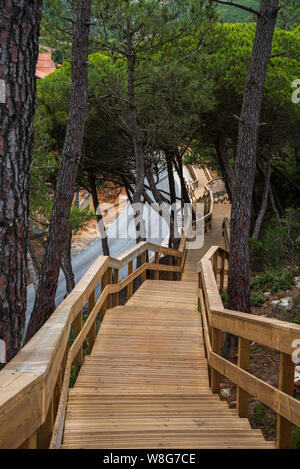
(145, 384)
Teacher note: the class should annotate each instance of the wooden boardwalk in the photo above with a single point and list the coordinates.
(145, 384)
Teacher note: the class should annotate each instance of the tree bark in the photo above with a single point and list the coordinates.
(264, 202)
(224, 162)
(174, 240)
(66, 264)
(245, 162)
(102, 229)
(135, 135)
(65, 188)
(19, 34)
(273, 202)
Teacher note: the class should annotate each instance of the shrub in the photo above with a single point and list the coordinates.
(273, 280)
(280, 241)
(257, 300)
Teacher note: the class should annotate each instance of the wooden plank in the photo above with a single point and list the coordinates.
(31, 442)
(156, 261)
(216, 348)
(144, 260)
(77, 328)
(130, 285)
(92, 333)
(44, 433)
(116, 281)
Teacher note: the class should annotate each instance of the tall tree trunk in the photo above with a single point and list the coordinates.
(224, 162)
(264, 201)
(102, 229)
(35, 261)
(179, 170)
(33, 277)
(135, 135)
(245, 162)
(65, 188)
(19, 34)
(174, 240)
(66, 264)
(273, 202)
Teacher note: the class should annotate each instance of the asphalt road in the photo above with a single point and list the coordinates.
(121, 236)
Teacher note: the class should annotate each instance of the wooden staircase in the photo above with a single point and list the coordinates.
(151, 376)
(145, 385)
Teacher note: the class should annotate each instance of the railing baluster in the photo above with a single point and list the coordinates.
(77, 328)
(130, 285)
(222, 271)
(109, 282)
(30, 443)
(243, 362)
(44, 433)
(116, 281)
(156, 261)
(92, 333)
(286, 384)
(216, 347)
(170, 276)
(144, 258)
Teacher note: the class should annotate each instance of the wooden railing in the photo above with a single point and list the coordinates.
(34, 384)
(275, 334)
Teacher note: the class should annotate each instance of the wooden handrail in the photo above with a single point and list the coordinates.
(34, 384)
(273, 333)
(30, 380)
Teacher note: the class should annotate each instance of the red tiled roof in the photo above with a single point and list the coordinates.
(44, 65)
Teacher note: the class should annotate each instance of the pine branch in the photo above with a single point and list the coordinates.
(237, 5)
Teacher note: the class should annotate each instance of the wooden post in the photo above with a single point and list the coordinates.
(116, 281)
(77, 328)
(216, 347)
(286, 384)
(243, 362)
(170, 274)
(156, 261)
(92, 333)
(144, 257)
(130, 285)
(31, 442)
(44, 433)
(109, 282)
(222, 270)
(215, 265)
(103, 285)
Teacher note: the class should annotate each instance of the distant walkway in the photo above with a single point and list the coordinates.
(211, 238)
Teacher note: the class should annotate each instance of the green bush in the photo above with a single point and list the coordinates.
(279, 242)
(273, 280)
(296, 439)
(257, 300)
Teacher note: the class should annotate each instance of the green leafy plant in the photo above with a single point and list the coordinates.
(257, 300)
(260, 411)
(273, 280)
